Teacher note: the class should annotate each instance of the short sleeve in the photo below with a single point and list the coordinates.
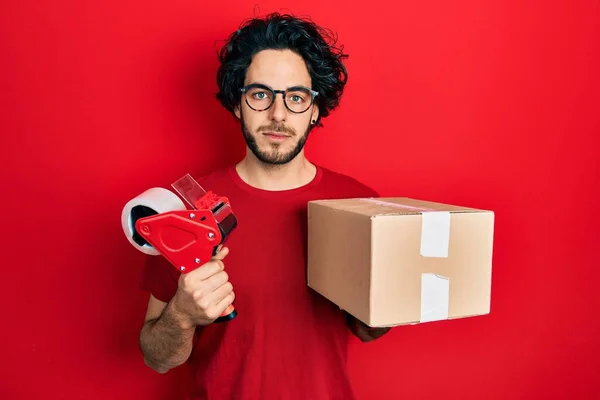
(370, 192)
(159, 277)
(366, 191)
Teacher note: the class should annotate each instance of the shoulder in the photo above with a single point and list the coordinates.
(346, 185)
(215, 179)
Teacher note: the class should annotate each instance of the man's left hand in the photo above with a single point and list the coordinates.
(364, 332)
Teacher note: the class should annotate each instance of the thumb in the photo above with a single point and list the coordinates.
(221, 253)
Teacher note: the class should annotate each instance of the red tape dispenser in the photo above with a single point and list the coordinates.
(157, 222)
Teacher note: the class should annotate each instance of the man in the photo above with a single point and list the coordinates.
(280, 77)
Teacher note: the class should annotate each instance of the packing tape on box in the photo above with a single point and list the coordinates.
(435, 227)
(397, 205)
(153, 201)
(435, 289)
(435, 296)
(435, 234)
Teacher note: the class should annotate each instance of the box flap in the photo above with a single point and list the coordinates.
(391, 206)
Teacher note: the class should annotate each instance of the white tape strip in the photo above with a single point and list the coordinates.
(435, 294)
(435, 234)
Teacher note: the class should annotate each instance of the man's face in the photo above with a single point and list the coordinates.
(276, 135)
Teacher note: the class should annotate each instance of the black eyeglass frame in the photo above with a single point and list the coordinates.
(274, 92)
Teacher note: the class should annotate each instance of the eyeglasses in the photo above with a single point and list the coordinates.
(297, 99)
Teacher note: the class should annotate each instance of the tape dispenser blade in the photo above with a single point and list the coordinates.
(189, 190)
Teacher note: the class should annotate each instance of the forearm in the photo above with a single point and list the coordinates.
(364, 332)
(166, 342)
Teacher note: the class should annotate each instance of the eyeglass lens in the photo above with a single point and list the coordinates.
(297, 100)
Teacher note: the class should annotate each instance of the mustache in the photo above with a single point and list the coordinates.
(277, 128)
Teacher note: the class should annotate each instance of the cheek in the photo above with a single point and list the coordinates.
(251, 121)
(302, 124)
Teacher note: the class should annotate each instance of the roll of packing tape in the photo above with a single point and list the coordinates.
(151, 202)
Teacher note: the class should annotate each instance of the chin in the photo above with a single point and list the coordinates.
(273, 152)
(278, 158)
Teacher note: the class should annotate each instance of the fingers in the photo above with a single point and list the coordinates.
(209, 276)
(225, 302)
(217, 280)
(216, 302)
(221, 293)
(221, 253)
(209, 285)
(205, 271)
(212, 267)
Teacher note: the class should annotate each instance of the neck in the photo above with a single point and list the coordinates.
(292, 175)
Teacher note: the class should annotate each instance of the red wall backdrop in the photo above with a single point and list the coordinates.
(490, 104)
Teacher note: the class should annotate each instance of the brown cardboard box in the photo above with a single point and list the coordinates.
(395, 261)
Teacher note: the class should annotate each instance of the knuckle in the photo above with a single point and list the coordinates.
(203, 303)
(212, 313)
(214, 268)
(185, 281)
(198, 295)
(228, 287)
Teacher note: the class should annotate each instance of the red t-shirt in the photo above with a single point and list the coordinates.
(287, 341)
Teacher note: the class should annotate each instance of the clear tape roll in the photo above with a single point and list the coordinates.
(152, 201)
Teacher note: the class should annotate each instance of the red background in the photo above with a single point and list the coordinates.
(491, 104)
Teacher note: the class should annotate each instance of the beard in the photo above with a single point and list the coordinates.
(274, 155)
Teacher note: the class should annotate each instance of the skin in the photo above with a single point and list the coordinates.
(166, 337)
(271, 164)
(278, 69)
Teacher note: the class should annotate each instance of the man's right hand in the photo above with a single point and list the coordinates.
(203, 294)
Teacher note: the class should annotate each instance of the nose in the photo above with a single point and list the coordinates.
(278, 110)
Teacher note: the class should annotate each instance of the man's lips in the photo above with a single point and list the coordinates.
(276, 135)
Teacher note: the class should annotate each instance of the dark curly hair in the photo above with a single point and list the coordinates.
(315, 44)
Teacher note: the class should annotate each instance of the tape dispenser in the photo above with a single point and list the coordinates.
(158, 222)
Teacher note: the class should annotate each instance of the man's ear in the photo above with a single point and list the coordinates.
(315, 115)
(236, 111)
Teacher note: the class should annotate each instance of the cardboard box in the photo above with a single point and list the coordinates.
(395, 261)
